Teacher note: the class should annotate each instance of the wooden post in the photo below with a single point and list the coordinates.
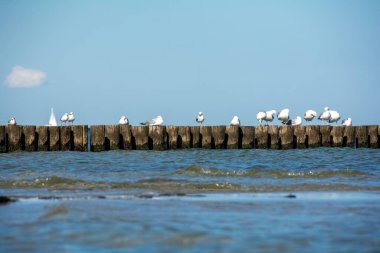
(286, 137)
(80, 140)
(373, 136)
(172, 132)
(158, 136)
(54, 141)
(42, 133)
(337, 136)
(111, 137)
(126, 137)
(218, 136)
(65, 137)
(349, 136)
(97, 134)
(313, 137)
(273, 135)
(206, 135)
(325, 135)
(14, 138)
(141, 137)
(3, 140)
(261, 137)
(361, 134)
(184, 137)
(233, 137)
(196, 141)
(29, 133)
(248, 137)
(300, 134)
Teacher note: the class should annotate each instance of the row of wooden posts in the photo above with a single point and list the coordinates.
(112, 137)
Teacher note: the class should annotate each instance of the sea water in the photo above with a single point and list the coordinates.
(311, 200)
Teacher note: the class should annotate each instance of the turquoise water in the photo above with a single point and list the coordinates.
(191, 200)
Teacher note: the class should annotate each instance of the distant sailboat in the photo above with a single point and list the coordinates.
(52, 121)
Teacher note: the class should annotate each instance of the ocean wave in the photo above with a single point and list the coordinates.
(269, 173)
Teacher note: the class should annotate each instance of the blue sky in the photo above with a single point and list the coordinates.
(104, 59)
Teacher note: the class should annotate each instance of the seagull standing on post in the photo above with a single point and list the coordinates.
(269, 116)
(310, 115)
(261, 116)
(153, 122)
(200, 118)
(123, 120)
(12, 121)
(64, 118)
(71, 118)
(283, 116)
(235, 121)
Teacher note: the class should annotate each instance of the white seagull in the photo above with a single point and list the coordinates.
(283, 116)
(347, 122)
(325, 115)
(200, 118)
(334, 117)
(310, 115)
(153, 122)
(64, 118)
(71, 118)
(269, 115)
(123, 120)
(294, 122)
(12, 121)
(235, 121)
(261, 116)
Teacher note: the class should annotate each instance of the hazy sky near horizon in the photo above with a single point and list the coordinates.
(104, 59)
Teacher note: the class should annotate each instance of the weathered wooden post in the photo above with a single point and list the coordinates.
(14, 138)
(300, 134)
(42, 133)
(29, 135)
(273, 142)
(3, 140)
(337, 136)
(65, 138)
(361, 135)
(126, 137)
(184, 137)
(141, 137)
(206, 135)
(112, 137)
(196, 141)
(97, 134)
(349, 136)
(233, 137)
(54, 141)
(80, 137)
(218, 136)
(261, 137)
(172, 132)
(248, 137)
(286, 137)
(373, 136)
(158, 136)
(313, 137)
(325, 135)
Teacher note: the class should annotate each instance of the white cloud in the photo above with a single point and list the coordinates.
(21, 77)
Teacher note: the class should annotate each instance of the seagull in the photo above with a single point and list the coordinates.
(123, 120)
(235, 121)
(269, 116)
(153, 122)
(283, 116)
(261, 116)
(294, 122)
(64, 118)
(334, 117)
(200, 118)
(71, 118)
(325, 115)
(310, 115)
(12, 121)
(347, 122)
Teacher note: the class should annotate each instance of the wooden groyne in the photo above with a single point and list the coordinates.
(112, 137)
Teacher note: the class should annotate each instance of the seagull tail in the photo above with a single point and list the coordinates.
(143, 124)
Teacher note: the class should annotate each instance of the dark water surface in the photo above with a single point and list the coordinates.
(191, 200)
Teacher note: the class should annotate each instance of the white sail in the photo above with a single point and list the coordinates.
(52, 121)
